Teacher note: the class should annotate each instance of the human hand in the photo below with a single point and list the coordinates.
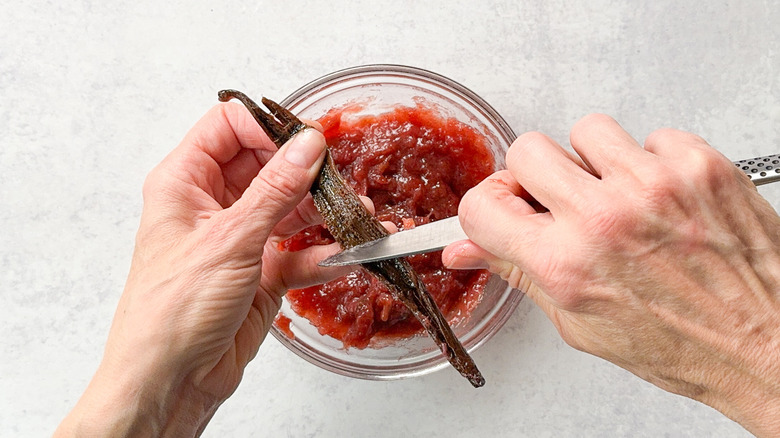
(664, 260)
(206, 278)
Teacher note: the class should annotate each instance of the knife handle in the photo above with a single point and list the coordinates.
(761, 170)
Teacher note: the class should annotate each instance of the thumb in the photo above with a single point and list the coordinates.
(279, 186)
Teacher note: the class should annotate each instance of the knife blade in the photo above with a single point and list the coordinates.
(420, 239)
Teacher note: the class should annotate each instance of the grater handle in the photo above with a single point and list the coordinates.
(761, 170)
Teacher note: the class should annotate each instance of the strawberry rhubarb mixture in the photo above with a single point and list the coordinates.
(415, 166)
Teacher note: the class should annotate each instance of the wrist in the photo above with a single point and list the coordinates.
(750, 402)
(138, 405)
(748, 390)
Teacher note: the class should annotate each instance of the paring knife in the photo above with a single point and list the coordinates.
(436, 235)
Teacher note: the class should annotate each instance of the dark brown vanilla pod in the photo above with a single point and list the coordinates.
(351, 224)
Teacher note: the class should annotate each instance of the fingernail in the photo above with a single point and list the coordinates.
(463, 262)
(305, 148)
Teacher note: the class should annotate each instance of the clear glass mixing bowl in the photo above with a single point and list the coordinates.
(380, 88)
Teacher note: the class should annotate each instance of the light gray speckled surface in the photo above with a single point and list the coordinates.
(94, 94)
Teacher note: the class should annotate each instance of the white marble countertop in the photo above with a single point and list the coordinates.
(94, 94)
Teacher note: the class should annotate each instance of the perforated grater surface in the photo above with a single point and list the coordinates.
(761, 170)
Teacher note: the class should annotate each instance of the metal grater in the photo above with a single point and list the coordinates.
(761, 170)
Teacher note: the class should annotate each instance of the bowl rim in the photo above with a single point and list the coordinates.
(407, 71)
(511, 297)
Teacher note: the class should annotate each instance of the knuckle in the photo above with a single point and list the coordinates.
(660, 187)
(620, 217)
(469, 204)
(271, 196)
(684, 146)
(478, 205)
(522, 146)
(473, 203)
(587, 124)
(595, 119)
(663, 135)
(530, 137)
(674, 136)
(709, 167)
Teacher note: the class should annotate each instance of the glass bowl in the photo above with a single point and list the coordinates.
(379, 88)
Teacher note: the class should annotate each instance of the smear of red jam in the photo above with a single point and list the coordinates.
(415, 166)
(282, 322)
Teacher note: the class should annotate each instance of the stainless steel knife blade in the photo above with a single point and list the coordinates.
(423, 238)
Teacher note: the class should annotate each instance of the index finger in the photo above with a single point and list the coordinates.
(223, 132)
(552, 175)
(497, 216)
(220, 155)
